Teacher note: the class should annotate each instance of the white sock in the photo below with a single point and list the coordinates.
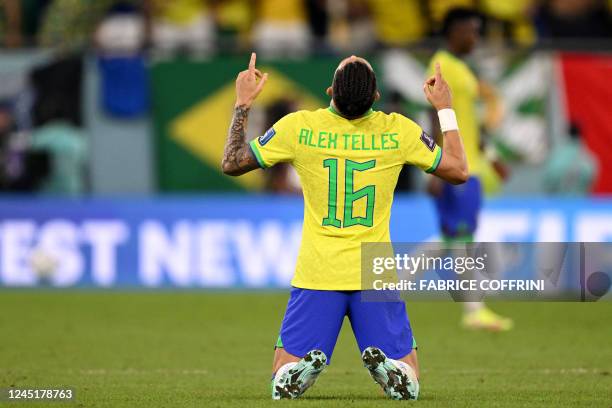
(469, 307)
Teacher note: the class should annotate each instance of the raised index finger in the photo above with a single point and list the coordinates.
(252, 62)
(438, 71)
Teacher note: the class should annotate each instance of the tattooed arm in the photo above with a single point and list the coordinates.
(237, 156)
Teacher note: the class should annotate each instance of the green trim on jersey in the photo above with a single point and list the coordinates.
(335, 112)
(436, 162)
(257, 154)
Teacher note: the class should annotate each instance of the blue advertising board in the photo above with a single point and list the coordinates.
(229, 241)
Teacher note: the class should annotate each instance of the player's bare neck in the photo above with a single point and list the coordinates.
(337, 112)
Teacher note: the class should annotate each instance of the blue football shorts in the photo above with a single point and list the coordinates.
(314, 317)
(458, 207)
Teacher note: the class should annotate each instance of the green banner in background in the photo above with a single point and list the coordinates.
(193, 104)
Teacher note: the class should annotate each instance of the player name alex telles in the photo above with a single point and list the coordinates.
(434, 285)
(346, 141)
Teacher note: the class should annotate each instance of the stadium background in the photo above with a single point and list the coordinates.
(113, 117)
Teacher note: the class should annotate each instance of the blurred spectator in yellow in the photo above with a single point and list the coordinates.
(281, 29)
(396, 22)
(234, 19)
(510, 19)
(574, 19)
(181, 25)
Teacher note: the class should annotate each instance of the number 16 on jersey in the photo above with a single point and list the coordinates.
(350, 195)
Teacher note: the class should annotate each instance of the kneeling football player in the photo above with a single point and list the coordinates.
(348, 158)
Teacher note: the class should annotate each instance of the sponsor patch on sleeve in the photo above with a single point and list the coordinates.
(267, 136)
(428, 141)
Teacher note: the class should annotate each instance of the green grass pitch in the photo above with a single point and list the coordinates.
(196, 349)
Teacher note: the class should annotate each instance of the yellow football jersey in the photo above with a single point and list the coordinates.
(464, 86)
(348, 170)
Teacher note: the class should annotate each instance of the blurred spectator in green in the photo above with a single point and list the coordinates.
(66, 147)
(181, 25)
(281, 29)
(571, 168)
(574, 19)
(57, 117)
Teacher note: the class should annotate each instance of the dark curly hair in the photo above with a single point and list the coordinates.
(354, 89)
(456, 16)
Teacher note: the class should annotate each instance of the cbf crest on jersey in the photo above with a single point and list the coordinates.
(428, 141)
(267, 136)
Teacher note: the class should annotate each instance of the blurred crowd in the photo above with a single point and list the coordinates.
(287, 27)
(43, 146)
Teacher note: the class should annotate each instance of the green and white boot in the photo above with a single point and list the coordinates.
(293, 379)
(397, 378)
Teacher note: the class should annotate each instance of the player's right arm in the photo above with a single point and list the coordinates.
(238, 158)
(453, 165)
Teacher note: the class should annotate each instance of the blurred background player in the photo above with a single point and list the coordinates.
(458, 206)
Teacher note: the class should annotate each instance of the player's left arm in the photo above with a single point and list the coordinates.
(238, 158)
(451, 165)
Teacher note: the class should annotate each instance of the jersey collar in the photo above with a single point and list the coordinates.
(335, 112)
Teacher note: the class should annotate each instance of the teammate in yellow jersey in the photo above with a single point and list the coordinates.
(458, 206)
(348, 157)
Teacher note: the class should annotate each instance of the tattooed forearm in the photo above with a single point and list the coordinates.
(237, 156)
